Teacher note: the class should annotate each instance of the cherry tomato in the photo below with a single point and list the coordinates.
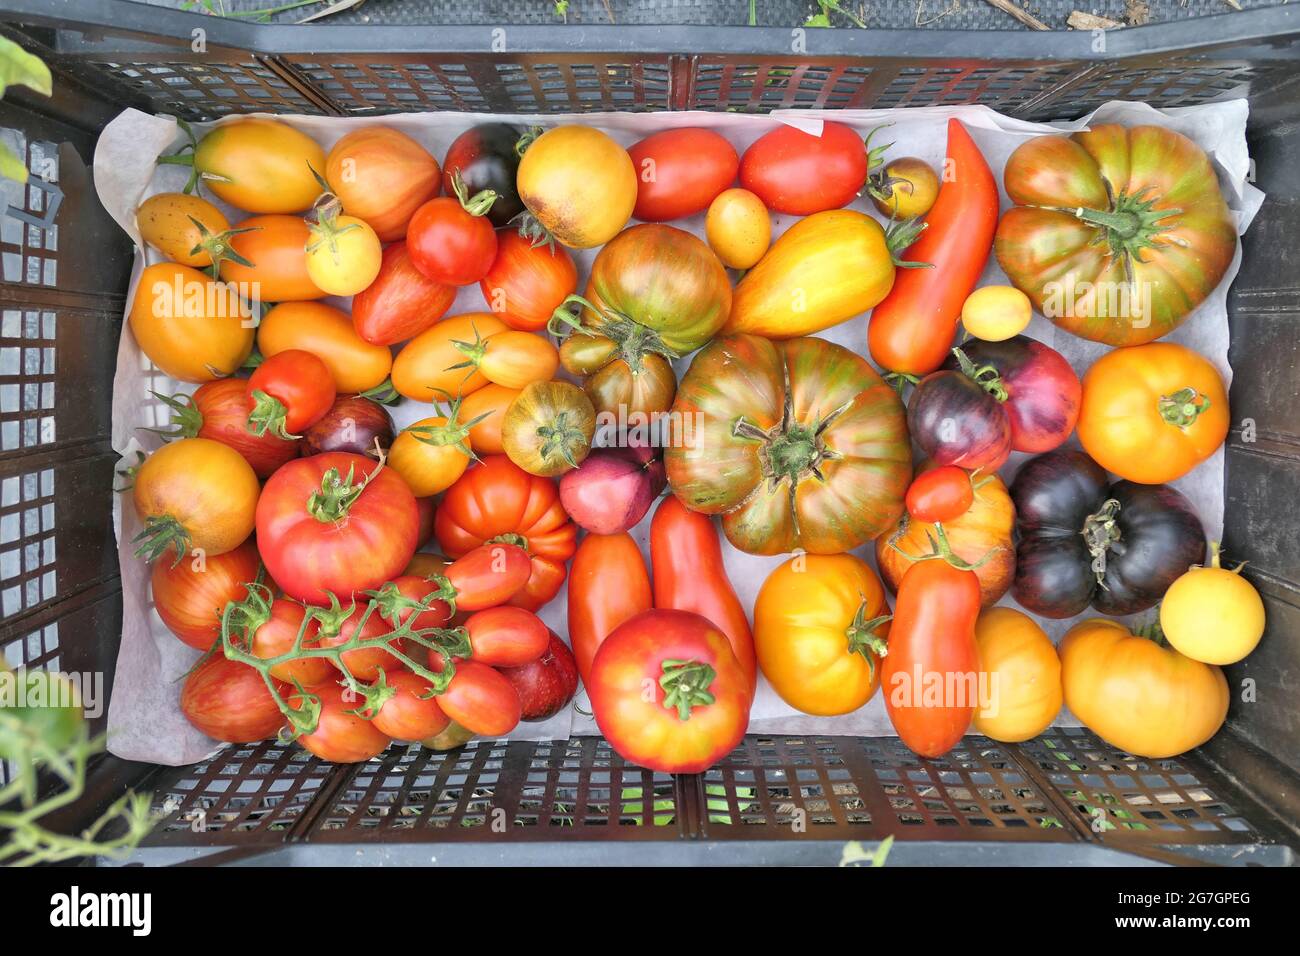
(411, 713)
(506, 636)
(290, 391)
(940, 494)
(451, 240)
(738, 228)
(343, 254)
(481, 700)
(341, 736)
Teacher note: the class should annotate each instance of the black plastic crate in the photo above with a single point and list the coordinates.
(1065, 797)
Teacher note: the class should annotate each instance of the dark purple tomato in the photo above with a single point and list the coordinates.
(486, 158)
(1043, 393)
(352, 424)
(956, 421)
(1083, 542)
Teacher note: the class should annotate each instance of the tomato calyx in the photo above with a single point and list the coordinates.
(186, 420)
(336, 494)
(686, 685)
(511, 537)
(474, 352)
(985, 376)
(383, 394)
(901, 233)
(477, 205)
(451, 432)
(632, 340)
(527, 139)
(160, 533)
(268, 414)
(1129, 226)
(791, 450)
(1100, 534)
(1183, 407)
(325, 228)
(560, 438)
(864, 639)
(218, 246)
(940, 549)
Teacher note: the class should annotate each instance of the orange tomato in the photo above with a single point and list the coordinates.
(1023, 676)
(177, 225)
(492, 400)
(327, 333)
(431, 454)
(1151, 413)
(192, 327)
(382, 176)
(579, 184)
(513, 359)
(424, 369)
(260, 165)
(277, 248)
(738, 228)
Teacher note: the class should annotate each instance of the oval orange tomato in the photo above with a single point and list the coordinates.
(488, 405)
(193, 328)
(1022, 674)
(425, 369)
(327, 333)
(276, 247)
(382, 176)
(261, 165)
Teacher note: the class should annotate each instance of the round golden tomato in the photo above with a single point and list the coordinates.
(904, 188)
(261, 165)
(820, 622)
(579, 184)
(1021, 674)
(426, 368)
(327, 333)
(1139, 695)
(548, 428)
(995, 313)
(1211, 614)
(194, 494)
(183, 228)
(192, 327)
(274, 254)
(343, 255)
(1151, 413)
(738, 228)
(431, 454)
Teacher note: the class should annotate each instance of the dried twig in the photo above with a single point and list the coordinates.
(1028, 19)
(1078, 20)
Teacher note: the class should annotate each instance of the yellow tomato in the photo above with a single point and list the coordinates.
(1022, 674)
(738, 228)
(425, 369)
(192, 327)
(512, 359)
(1138, 695)
(431, 454)
(1211, 614)
(904, 189)
(343, 255)
(819, 627)
(327, 333)
(261, 165)
(996, 312)
(579, 184)
(179, 226)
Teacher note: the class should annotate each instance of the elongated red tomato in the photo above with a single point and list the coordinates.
(798, 173)
(527, 283)
(608, 584)
(290, 391)
(680, 171)
(341, 736)
(219, 411)
(401, 302)
(229, 701)
(941, 494)
(481, 700)
(507, 636)
(911, 331)
(409, 714)
(686, 560)
(931, 673)
(489, 575)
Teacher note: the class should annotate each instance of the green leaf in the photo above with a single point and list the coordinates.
(17, 66)
(817, 20)
(11, 166)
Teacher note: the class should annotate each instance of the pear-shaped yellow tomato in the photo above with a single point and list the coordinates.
(426, 368)
(578, 184)
(343, 255)
(738, 228)
(328, 334)
(826, 268)
(261, 166)
(431, 454)
(1211, 614)
(819, 626)
(1137, 694)
(192, 327)
(183, 228)
(1021, 676)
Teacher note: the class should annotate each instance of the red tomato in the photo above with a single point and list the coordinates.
(276, 636)
(410, 713)
(230, 701)
(679, 172)
(527, 283)
(428, 511)
(341, 736)
(699, 707)
(481, 700)
(342, 624)
(798, 173)
(335, 523)
(545, 685)
(686, 562)
(219, 411)
(451, 240)
(940, 494)
(401, 303)
(190, 595)
(912, 328)
(497, 500)
(609, 584)
(290, 391)
(506, 636)
(489, 575)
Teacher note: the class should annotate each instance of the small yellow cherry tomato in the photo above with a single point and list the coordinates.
(1211, 614)
(179, 226)
(996, 312)
(343, 255)
(904, 189)
(738, 228)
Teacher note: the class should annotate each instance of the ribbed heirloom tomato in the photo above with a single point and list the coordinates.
(335, 523)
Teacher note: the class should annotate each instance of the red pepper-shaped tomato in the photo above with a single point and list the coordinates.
(608, 585)
(912, 329)
(931, 673)
(668, 693)
(686, 560)
(798, 173)
(335, 524)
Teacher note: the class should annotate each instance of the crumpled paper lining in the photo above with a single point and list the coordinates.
(145, 722)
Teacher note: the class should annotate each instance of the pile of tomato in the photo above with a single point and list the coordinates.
(352, 584)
